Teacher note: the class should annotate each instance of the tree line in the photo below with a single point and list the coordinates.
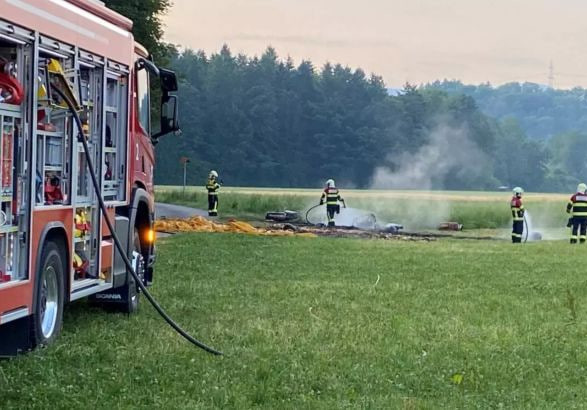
(265, 121)
(556, 119)
(543, 112)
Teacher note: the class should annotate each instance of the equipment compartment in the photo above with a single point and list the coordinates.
(13, 84)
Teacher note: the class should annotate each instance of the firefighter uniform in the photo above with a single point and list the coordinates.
(518, 210)
(213, 186)
(331, 196)
(577, 207)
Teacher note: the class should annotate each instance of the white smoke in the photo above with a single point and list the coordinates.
(449, 149)
(357, 218)
(540, 226)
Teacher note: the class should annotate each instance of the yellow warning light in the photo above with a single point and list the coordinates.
(150, 236)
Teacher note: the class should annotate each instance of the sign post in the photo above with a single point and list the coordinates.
(185, 161)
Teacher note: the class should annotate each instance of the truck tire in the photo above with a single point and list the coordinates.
(138, 260)
(47, 317)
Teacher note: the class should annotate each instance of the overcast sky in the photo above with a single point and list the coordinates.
(402, 40)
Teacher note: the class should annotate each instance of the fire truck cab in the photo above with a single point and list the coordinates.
(54, 244)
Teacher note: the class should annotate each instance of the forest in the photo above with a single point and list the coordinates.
(267, 121)
(543, 112)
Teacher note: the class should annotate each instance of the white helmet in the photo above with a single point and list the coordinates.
(518, 191)
(581, 188)
(330, 183)
(213, 174)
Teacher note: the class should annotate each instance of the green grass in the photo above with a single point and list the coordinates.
(414, 209)
(303, 325)
(234, 204)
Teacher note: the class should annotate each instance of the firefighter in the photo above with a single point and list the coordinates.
(517, 215)
(213, 186)
(577, 208)
(331, 196)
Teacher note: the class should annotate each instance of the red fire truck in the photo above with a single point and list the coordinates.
(55, 247)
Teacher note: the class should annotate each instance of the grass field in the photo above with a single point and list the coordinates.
(414, 209)
(329, 323)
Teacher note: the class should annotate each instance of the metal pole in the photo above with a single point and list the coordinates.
(185, 165)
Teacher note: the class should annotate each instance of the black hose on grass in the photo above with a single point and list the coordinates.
(127, 262)
(308, 213)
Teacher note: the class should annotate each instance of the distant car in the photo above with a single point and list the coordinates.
(503, 188)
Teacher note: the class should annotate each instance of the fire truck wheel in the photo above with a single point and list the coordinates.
(139, 264)
(48, 315)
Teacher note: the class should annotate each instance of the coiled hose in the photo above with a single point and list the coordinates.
(122, 251)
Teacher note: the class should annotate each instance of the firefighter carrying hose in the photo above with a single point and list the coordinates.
(213, 186)
(577, 207)
(332, 196)
(517, 215)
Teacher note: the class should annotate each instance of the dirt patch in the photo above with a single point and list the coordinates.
(200, 224)
(349, 232)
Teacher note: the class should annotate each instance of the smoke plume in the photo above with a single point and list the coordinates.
(449, 151)
(449, 154)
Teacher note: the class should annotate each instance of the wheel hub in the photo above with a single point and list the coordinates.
(49, 302)
(138, 263)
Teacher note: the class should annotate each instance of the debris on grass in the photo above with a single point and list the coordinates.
(201, 224)
(313, 315)
(352, 232)
(457, 378)
(450, 226)
(282, 216)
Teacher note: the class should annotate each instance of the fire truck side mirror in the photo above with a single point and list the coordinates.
(168, 80)
(169, 122)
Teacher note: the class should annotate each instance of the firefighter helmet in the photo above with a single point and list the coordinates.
(518, 191)
(581, 188)
(58, 79)
(330, 183)
(213, 174)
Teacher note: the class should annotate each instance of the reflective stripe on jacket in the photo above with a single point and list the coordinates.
(212, 186)
(517, 209)
(577, 205)
(331, 195)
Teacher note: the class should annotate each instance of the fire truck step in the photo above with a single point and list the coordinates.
(15, 337)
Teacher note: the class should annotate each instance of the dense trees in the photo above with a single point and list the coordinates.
(147, 25)
(263, 121)
(543, 112)
(555, 121)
